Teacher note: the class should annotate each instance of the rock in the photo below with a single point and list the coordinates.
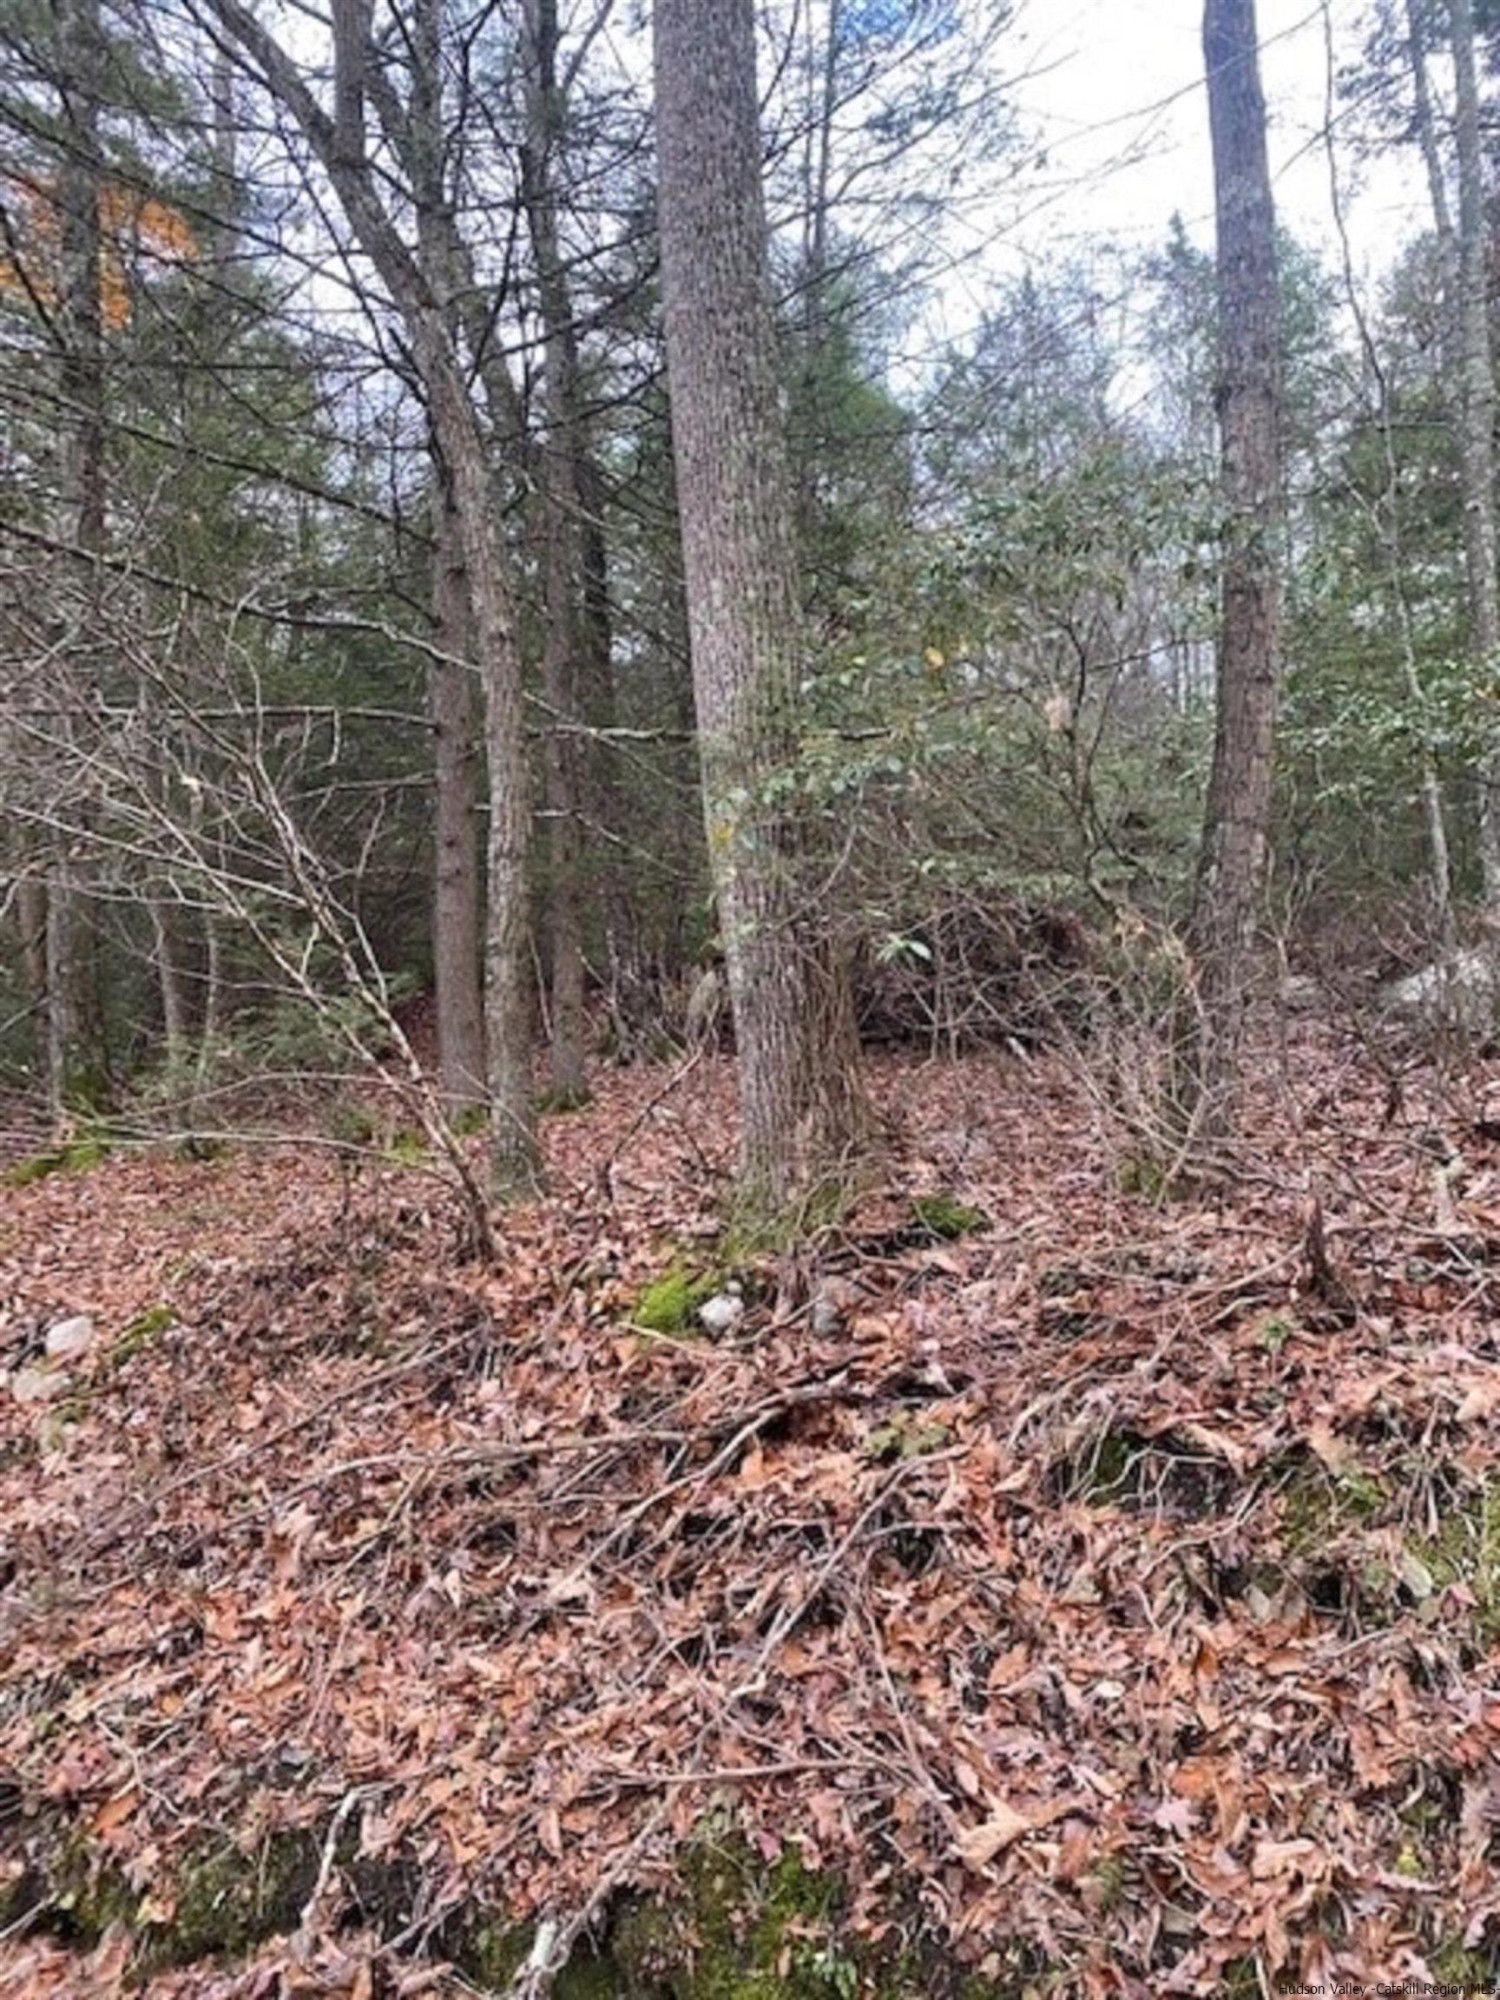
(722, 1313)
(1458, 992)
(831, 1299)
(37, 1385)
(70, 1338)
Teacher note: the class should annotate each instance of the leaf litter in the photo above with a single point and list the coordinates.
(1094, 1577)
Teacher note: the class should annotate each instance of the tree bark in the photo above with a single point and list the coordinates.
(456, 909)
(562, 566)
(172, 981)
(456, 925)
(31, 925)
(1233, 854)
(1477, 419)
(801, 1109)
(76, 1060)
(514, 1160)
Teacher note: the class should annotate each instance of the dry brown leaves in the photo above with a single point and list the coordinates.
(1083, 1575)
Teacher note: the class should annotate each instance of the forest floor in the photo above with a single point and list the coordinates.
(1103, 1600)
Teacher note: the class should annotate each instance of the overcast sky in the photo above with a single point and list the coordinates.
(1115, 92)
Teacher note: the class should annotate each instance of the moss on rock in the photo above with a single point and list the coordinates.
(670, 1304)
(943, 1216)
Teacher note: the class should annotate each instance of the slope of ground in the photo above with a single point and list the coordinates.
(1105, 1601)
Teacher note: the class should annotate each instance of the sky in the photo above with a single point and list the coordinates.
(1114, 90)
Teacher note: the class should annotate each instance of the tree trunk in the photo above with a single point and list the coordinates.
(514, 1160)
(1477, 419)
(76, 1063)
(455, 910)
(801, 1110)
(1233, 854)
(456, 929)
(562, 567)
(172, 981)
(31, 924)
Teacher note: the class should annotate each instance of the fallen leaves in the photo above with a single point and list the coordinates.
(1067, 1564)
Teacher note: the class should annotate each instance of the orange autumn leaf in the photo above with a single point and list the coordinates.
(129, 223)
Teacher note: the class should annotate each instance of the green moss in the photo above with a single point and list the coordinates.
(1318, 1506)
(670, 1304)
(1141, 1174)
(466, 1124)
(79, 1156)
(406, 1149)
(742, 1930)
(490, 1952)
(1109, 1881)
(1276, 1332)
(1111, 1469)
(140, 1333)
(1454, 1965)
(736, 1928)
(227, 1901)
(1240, 1980)
(84, 1898)
(946, 1218)
(1466, 1550)
(906, 1436)
(756, 1227)
(352, 1124)
(558, 1103)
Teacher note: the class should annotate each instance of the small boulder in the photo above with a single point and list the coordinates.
(70, 1338)
(723, 1312)
(37, 1385)
(1462, 991)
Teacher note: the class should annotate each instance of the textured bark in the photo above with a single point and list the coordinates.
(800, 1107)
(31, 924)
(456, 920)
(514, 1166)
(171, 980)
(1477, 418)
(76, 1058)
(456, 905)
(562, 556)
(1232, 858)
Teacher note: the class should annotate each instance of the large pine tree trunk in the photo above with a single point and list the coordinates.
(1477, 418)
(1232, 859)
(799, 1097)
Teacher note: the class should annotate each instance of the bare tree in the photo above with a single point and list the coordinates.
(800, 1102)
(1233, 853)
(74, 1038)
(1476, 435)
(338, 144)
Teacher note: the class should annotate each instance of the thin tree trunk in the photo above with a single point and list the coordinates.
(31, 926)
(1477, 420)
(801, 1109)
(456, 926)
(1233, 855)
(76, 1063)
(562, 567)
(455, 910)
(514, 1161)
(1386, 514)
(171, 979)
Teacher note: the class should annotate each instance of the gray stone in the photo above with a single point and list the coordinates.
(70, 1337)
(1459, 992)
